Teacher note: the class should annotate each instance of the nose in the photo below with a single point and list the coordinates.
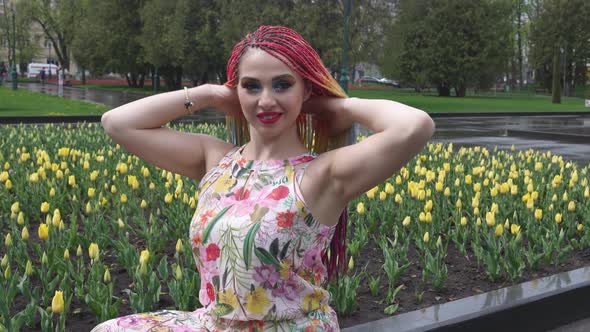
(267, 100)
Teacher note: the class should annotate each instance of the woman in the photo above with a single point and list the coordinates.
(268, 209)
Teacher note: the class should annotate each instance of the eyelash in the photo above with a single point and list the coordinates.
(278, 86)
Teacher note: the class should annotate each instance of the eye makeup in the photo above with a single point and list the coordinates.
(279, 83)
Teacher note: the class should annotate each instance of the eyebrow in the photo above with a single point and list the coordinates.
(247, 78)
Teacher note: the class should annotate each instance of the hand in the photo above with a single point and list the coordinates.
(224, 99)
(329, 109)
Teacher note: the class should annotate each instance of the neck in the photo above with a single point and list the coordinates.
(280, 147)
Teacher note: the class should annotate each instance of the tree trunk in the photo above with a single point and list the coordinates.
(443, 90)
(460, 90)
(556, 86)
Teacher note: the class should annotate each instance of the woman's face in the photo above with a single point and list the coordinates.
(270, 93)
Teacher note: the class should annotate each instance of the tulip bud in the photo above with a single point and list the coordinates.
(179, 247)
(66, 254)
(120, 223)
(79, 251)
(143, 204)
(8, 240)
(7, 272)
(360, 208)
(178, 273)
(44, 260)
(439, 242)
(463, 221)
(29, 268)
(4, 262)
(107, 276)
(350, 263)
(57, 303)
(144, 256)
(499, 230)
(406, 221)
(93, 251)
(24, 234)
(426, 237)
(62, 226)
(21, 218)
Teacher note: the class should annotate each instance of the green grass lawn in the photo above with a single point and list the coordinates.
(480, 103)
(25, 103)
(119, 87)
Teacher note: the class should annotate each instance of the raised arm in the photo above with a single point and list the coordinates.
(137, 127)
(401, 132)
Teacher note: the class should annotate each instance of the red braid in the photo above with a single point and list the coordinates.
(288, 46)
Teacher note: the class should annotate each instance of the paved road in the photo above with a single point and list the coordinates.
(568, 136)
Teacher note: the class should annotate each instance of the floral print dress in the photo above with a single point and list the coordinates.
(258, 250)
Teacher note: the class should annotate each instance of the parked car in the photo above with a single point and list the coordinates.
(386, 81)
(369, 79)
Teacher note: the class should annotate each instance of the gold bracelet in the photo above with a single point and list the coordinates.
(188, 104)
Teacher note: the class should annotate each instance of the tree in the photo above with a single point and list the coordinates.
(452, 44)
(559, 44)
(58, 20)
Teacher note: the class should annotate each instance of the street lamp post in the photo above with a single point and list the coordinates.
(13, 70)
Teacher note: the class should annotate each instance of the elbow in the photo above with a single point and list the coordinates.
(423, 130)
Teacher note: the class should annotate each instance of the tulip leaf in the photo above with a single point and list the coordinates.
(249, 244)
(212, 223)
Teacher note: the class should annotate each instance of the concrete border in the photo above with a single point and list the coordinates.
(536, 305)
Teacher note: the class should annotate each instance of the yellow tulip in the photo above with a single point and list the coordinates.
(143, 204)
(8, 184)
(21, 218)
(558, 218)
(571, 207)
(43, 232)
(144, 256)
(120, 223)
(66, 254)
(91, 192)
(428, 217)
(514, 229)
(463, 221)
(79, 251)
(8, 240)
(88, 208)
(499, 230)
(490, 219)
(406, 221)
(55, 220)
(93, 251)
(426, 237)
(123, 198)
(580, 227)
(389, 189)
(382, 196)
(459, 204)
(72, 180)
(51, 192)
(168, 198)
(447, 192)
(360, 208)
(370, 194)
(538, 214)
(24, 234)
(350, 263)
(57, 304)
(398, 198)
(44, 207)
(15, 208)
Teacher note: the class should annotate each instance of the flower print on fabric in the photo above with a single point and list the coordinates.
(258, 252)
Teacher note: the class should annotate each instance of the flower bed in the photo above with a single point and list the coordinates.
(82, 216)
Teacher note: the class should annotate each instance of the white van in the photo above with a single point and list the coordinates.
(34, 69)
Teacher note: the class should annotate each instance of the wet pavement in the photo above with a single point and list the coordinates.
(566, 135)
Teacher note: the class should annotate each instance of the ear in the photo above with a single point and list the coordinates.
(307, 92)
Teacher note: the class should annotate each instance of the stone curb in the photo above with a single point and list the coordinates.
(536, 305)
